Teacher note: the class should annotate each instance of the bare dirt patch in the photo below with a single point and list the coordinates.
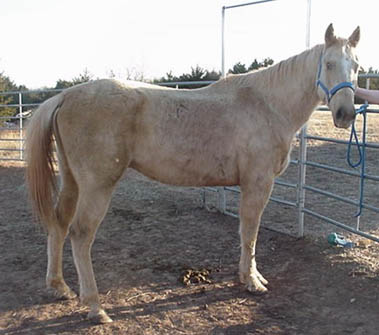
(154, 233)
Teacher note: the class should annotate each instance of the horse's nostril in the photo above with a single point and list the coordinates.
(339, 114)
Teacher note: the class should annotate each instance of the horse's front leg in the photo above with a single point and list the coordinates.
(254, 198)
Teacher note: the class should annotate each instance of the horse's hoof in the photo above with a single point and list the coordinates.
(255, 283)
(257, 290)
(99, 317)
(255, 286)
(263, 280)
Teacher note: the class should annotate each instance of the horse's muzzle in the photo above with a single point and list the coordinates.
(344, 117)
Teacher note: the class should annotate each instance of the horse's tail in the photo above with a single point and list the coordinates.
(40, 175)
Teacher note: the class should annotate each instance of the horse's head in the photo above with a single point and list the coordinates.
(337, 75)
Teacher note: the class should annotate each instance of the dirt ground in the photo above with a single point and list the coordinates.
(154, 237)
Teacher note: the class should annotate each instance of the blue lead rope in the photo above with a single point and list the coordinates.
(361, 148)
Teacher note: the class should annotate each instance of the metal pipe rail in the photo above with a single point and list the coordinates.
(18, 105)
(187, 83)
(42, 90)
(340, 225)
(247, 4)
(340, 198)
(334, 140)
(340, 170)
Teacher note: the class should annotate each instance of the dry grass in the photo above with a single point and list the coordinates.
(321, 124)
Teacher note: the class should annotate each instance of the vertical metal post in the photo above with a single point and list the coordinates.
(303, 145)
(361, 167)
(223, 42)
(361, 180)
(368, 83)
(221, 190)
(21, 146)
(308, 25)
(301, 180)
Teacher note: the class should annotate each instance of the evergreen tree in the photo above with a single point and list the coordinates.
(84, 77)
(5, 99)
(255, 65)
(197, 74)
(238, 68)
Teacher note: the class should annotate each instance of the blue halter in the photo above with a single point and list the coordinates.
(330, 93)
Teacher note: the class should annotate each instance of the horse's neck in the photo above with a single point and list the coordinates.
(289, 87)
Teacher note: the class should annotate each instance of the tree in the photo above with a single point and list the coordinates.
(7, 85)
(238, 68)
(135, 74)
(255, 65)
(197, 74)
(84, 77)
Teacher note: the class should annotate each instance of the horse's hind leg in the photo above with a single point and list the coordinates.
(57, 233)
(91, 209)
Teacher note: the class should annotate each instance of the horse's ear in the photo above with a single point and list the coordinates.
(330, 38)
(355, 36)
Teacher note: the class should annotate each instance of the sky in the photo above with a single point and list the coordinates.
(46, 40)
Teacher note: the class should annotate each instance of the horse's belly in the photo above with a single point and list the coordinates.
(186, 149)
(188, 171)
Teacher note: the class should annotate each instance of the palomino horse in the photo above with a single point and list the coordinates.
(237, 131)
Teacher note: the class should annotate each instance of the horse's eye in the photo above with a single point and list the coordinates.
(329, 65)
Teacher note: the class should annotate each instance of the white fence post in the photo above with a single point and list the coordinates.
(21, 146)
(301, 180)
(303, 142)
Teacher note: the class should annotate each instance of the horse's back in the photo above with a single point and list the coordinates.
(186, 137)
(175, 136)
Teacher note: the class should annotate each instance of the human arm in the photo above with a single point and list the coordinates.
(372, 96)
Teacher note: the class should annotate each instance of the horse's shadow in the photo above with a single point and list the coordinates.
(78, 320)
(63, 324)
